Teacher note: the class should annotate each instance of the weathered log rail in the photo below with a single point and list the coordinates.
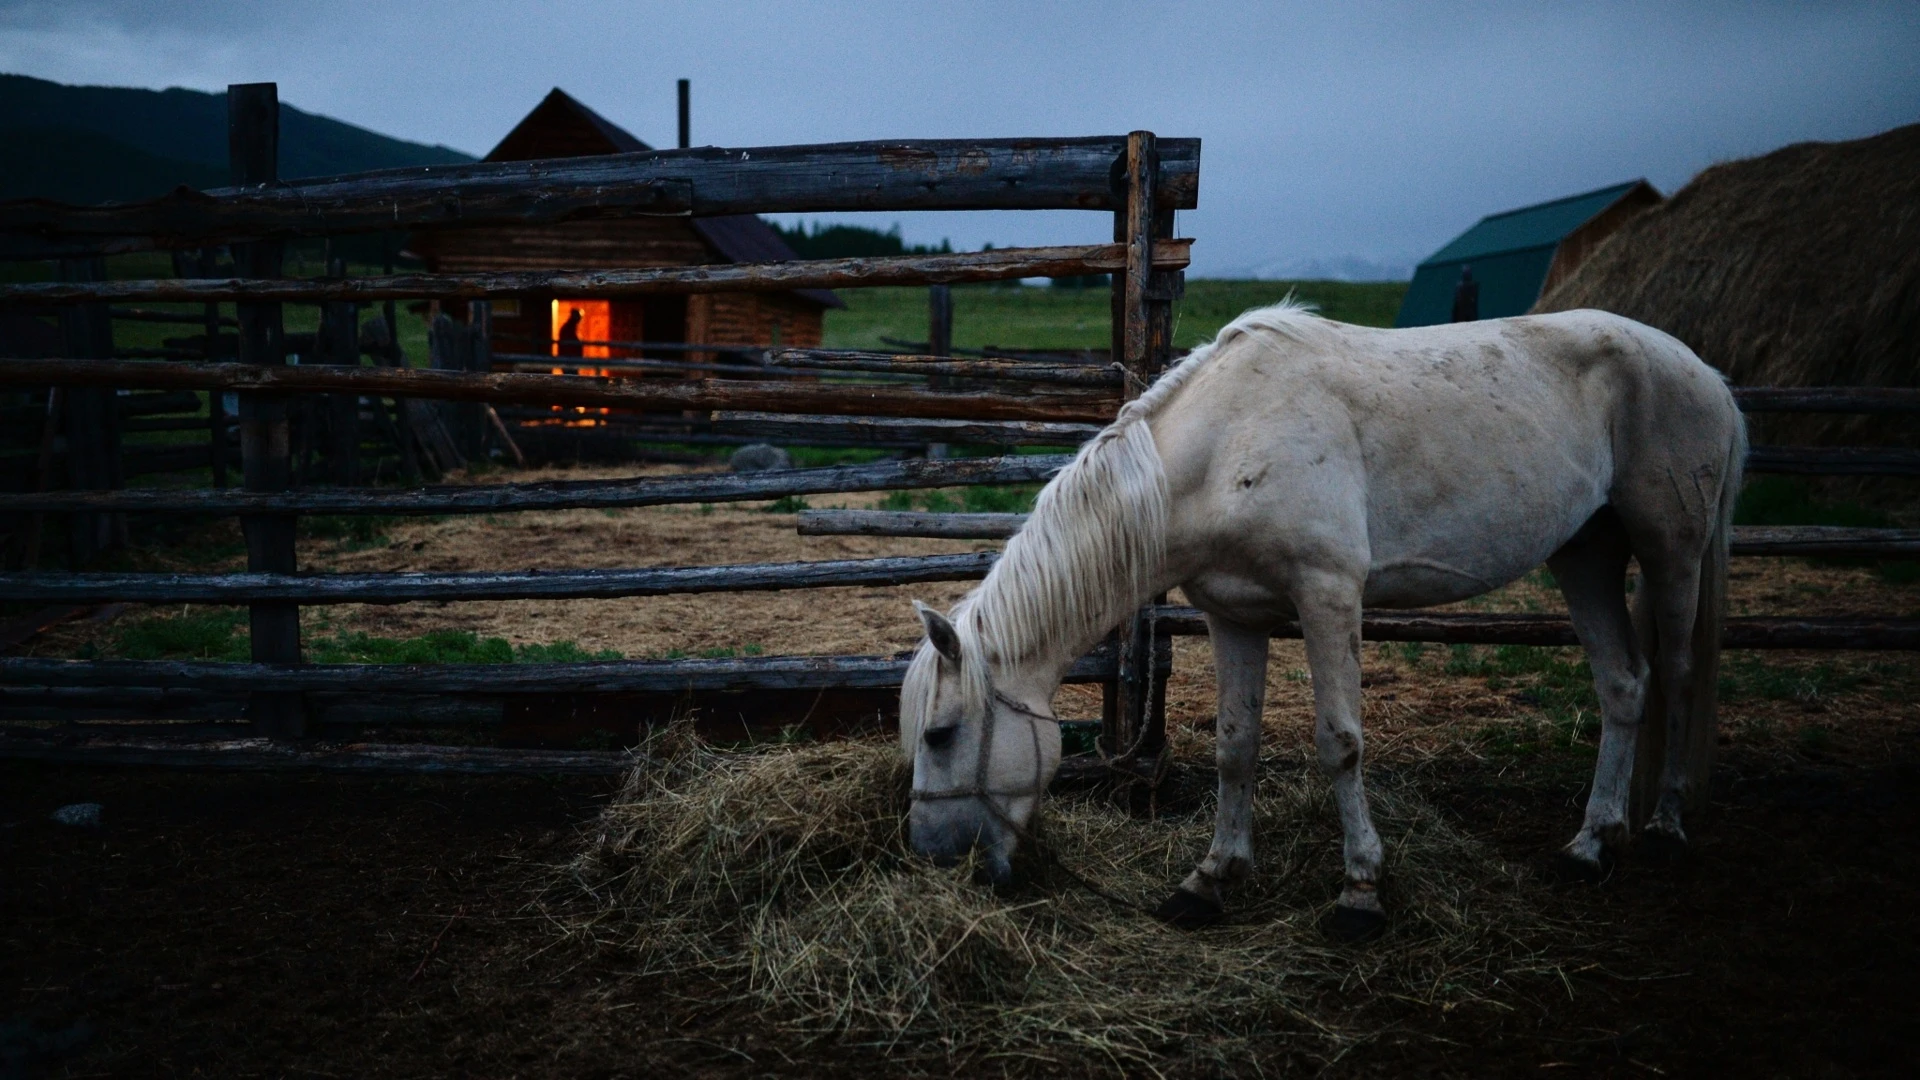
(1853, 399)
(595, 676)
(554, 495)
(586, 391)
(860, 272)
(869, 363)
(1747, 540)
(1483, 628)
(406, 586)
(932, 174)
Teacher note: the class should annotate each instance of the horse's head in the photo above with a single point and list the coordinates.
(981, 757)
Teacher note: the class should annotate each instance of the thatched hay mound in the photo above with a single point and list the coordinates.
(1799, 268)
(782, 875)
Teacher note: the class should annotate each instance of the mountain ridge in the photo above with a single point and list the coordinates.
(105, 143)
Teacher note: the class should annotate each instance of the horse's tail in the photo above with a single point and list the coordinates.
(1696, 739)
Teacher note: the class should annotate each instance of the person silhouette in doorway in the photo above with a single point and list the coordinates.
(570, 334)
(1466, 297)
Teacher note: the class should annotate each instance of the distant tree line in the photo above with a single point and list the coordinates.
(820, 241)
(852, 241)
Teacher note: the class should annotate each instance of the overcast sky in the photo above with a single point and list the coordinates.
(1335, 135)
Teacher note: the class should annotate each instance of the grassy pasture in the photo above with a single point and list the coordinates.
(1048, 318)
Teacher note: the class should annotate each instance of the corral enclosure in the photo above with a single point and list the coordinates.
(441, 925)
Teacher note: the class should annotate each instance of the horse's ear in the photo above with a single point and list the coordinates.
(945, 639)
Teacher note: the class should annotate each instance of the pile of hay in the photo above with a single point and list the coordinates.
(783, 875)
(1798, 268)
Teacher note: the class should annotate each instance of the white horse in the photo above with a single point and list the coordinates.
(1298, 468)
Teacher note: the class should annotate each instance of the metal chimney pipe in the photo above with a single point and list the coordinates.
(686, 114)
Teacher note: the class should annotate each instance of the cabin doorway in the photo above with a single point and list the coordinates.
(582, 328)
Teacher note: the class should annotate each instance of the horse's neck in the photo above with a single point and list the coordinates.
(1033, 676)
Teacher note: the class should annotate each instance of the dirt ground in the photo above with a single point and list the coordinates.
(241, 925)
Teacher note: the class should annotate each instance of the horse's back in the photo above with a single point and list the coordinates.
(1450, 458)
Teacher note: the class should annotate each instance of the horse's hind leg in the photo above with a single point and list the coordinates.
(1240, 662)
(1591, 569)
(1671, 605)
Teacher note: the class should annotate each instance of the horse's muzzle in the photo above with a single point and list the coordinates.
(948, 830)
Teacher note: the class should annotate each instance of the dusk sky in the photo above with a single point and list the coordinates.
(1340, 139)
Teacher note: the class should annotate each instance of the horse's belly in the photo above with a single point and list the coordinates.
(1446, 557)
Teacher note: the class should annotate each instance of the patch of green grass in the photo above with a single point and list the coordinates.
(356, 532)
(1556, 681)
(786, 504)
(982, 499)
(443, 647)
(221, 634)
(1000, 499)
(1788, 500)
(1755, 675)
(820, 457)
(207, 634)
(1045, 318)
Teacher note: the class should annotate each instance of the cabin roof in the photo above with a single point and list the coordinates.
(560, 126)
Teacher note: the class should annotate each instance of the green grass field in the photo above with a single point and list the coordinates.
(1047, 318)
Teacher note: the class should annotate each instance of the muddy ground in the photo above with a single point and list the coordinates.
(240, 925)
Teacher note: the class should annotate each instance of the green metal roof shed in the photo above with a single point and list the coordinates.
(1517, 255)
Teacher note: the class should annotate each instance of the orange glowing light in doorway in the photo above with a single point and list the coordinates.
(596, 324)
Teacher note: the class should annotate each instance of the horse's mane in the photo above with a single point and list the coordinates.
(1093, 546)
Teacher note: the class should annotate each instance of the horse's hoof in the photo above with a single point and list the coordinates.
(1188, 911)
(1570, 869)
(1353, 925)
(1661, 848)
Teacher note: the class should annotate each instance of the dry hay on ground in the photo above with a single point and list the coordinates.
(781, 876)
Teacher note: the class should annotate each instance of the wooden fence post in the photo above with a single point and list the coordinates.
(1134, 712)
(92, 417)
(939, 341)
(253, 150)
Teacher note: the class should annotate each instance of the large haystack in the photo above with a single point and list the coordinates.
(1799, 268)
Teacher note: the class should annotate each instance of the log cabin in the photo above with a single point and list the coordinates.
(563, 127)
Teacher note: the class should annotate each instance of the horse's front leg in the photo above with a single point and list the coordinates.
(1240, 662)
(1329, 607)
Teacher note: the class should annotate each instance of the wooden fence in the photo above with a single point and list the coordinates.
(1138, 179)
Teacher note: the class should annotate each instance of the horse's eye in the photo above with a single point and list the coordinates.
(941, 737)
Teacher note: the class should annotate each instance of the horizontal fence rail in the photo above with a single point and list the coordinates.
(255, 754)
(587, 677)
(404, 586)
(557, 495)
(1834, 460)
(934, 174)
(1854, 399)
(878, 363)
(1480, 628)
(1069, 406)
(856, 272)
(520, 388)
(1827, 540)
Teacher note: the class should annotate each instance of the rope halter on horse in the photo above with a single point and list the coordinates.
(979, 788)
